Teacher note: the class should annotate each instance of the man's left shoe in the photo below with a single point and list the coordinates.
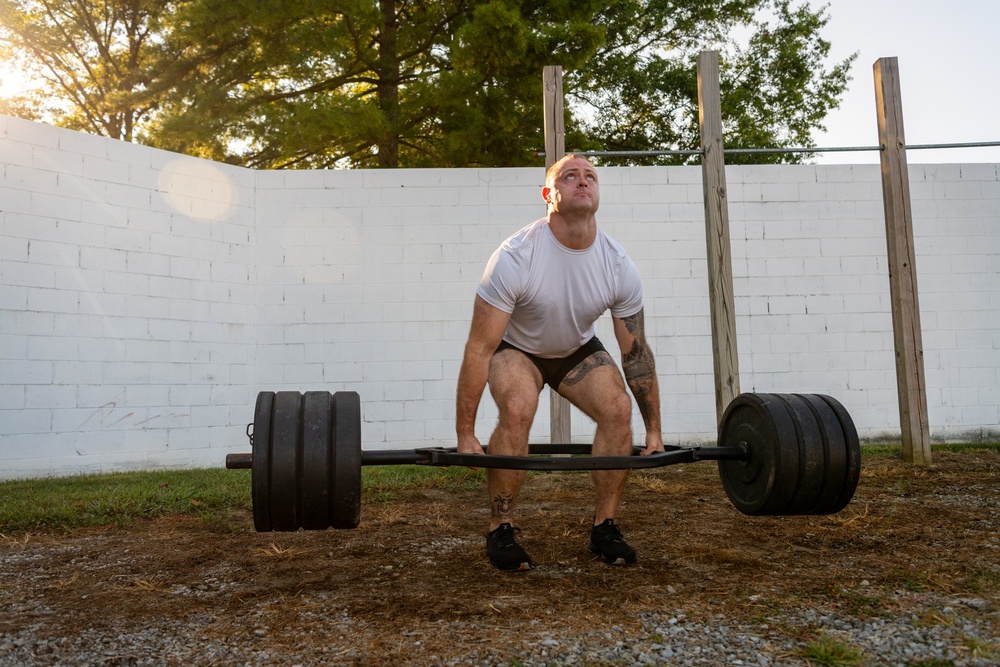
(606, 541)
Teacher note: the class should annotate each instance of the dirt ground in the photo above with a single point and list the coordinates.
(412, 584)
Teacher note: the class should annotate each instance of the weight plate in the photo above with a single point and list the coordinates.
(286, 453)
(853, 454)
(317, 459)
(811, 455)
(345, 502)
(765, 482)
(834, 454)
(260, 465)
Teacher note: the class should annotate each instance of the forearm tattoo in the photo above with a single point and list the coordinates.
(639, 367)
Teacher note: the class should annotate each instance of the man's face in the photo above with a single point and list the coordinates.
(574, 188)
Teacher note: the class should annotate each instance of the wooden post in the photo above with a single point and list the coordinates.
(720, 269)
(910, 380)
(560, 428)
(555, 131)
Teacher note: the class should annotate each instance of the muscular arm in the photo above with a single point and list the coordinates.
(485, 334)
(640, 374)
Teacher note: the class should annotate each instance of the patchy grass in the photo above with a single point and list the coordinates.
(831, 652)
(215, 495)
(381, 484)
(893, 449)
(118, 499)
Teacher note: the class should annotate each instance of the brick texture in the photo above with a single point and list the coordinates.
(146, 297)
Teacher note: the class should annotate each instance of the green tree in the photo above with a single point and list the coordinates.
(369, 84)
(386, 83)
(641, 90)
(96, 59)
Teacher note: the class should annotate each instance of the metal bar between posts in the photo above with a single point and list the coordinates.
(633, 153)
(796, 149)
(802, 149)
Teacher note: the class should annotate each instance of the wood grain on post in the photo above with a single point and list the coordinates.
(560, 428)
(720, 269)
(555, 131)
(910, 380)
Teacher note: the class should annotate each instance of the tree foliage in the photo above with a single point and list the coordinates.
(642, 90)
(412, 83)
(386, 83)
(97, 59)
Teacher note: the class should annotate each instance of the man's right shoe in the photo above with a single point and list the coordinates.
(504, 551)
(607, 542)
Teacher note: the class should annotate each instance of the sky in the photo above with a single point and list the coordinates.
(948, 54)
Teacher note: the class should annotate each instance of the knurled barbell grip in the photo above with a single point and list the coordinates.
(450, 457)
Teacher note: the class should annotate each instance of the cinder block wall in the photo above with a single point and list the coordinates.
(146, 297)
(127, 304)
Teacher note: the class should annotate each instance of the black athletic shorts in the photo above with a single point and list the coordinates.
(554, 370)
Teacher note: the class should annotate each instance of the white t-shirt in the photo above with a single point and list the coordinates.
(555, 295)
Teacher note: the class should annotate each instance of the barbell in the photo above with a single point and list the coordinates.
(777, 454)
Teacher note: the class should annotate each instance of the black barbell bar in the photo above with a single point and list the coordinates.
(540, 457)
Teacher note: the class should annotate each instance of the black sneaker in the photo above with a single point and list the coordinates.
(606, 541)
(504, 551)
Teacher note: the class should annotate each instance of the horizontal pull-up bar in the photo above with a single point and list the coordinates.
(804, 149)
(835, 149)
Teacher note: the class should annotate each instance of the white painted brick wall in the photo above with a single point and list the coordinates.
(124, 345)
(146, 297)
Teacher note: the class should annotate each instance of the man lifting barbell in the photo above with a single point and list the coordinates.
(533, 323)
(779, 454)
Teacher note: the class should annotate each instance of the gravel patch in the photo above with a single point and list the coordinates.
(951, 631)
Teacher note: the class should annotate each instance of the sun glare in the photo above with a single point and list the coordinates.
(13, 80)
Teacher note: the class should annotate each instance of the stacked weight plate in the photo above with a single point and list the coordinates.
(306, 470)
(804, 456)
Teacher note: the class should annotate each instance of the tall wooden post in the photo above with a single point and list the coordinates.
(910, 380)
(720, 268)
(555, 131)
(560, 429)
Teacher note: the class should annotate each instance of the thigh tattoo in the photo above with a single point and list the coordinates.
(581, 370)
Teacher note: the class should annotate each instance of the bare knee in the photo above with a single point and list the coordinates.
(517, 413)
(615, 418)
(615, 409)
